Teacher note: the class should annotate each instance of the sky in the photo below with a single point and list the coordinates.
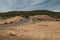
(29, 5)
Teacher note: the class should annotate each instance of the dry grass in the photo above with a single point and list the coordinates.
(46, 30)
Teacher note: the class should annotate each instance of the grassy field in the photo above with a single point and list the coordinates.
(45, 30)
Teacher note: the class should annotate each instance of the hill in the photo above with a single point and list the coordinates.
(15, 26)
(26, 14)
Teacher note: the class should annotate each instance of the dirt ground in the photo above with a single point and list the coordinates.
(45, 30)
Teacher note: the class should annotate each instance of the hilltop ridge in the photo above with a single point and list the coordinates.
(26, 14)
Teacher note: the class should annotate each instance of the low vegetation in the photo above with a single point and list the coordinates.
(26, 14)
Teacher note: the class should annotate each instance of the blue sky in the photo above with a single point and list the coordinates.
(28, 5)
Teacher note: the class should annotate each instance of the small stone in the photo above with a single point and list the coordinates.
(13, 34)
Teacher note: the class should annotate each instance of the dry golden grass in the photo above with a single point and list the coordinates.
(45, 30)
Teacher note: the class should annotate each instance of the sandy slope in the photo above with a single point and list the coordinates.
(46, 30)
(11, 20)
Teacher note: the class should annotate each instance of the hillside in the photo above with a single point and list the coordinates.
(26, 14)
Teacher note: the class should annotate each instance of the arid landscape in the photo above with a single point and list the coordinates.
(33, 27)
(29, 19)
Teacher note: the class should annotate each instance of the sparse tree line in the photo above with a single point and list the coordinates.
(26, 14)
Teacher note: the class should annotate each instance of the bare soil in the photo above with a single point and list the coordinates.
(45, 30)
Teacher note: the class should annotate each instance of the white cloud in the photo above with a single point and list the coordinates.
(8, 5)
